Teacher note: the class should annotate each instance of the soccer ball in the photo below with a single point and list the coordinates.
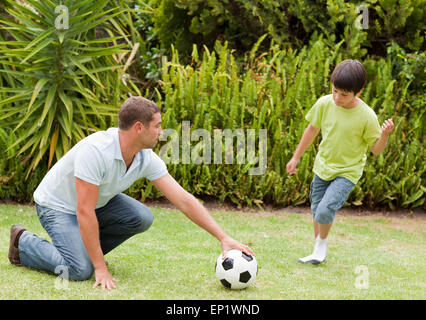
(237, 270)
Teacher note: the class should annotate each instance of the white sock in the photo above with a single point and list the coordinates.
(320, 252)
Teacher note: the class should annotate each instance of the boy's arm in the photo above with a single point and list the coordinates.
(381, 143)
(308, 137)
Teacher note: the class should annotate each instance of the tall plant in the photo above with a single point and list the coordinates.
(274, 90)
(62, 75)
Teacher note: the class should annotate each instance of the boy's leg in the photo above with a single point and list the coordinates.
(323, 230)
(333, 199)
(66, 250)
(121, 218)
(316, 227)
(317, 191)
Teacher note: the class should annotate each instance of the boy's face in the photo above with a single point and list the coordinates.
(345, 99)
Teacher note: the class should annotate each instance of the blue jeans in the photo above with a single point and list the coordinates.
(327, 197)
(121, 218)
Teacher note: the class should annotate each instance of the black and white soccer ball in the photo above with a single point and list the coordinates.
(237, 270)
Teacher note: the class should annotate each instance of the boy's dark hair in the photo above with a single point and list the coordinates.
(349, 75)
(136, 109)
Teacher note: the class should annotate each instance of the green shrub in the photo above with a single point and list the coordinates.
(410, 66)
(51, 97)
(14, 184)
(242, 22)
(147, 65)
(273, 91)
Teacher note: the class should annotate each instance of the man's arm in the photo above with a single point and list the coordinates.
(196, 212)
(381, 143)
(308, 137)
(87, 197)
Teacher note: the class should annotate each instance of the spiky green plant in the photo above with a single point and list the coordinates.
(62, 73)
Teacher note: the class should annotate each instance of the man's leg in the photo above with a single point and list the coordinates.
(121, 218)
(66, 250)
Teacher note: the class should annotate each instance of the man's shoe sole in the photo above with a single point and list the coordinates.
(15, 230)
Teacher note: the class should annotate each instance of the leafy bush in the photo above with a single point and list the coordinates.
(147, 65)
(57, 86)
(273, 91)
(242, 22)
(14, 184)
(411, 66)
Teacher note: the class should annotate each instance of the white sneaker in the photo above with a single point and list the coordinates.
(320, 252)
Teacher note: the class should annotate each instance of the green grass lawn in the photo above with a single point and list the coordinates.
(175, 259)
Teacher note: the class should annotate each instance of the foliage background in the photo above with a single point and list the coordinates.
(219, 64)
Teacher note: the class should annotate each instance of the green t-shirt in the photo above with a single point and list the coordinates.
(346, 136)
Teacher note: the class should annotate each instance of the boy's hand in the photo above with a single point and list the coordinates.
(381, 143)
(291, 166)
(387, 127)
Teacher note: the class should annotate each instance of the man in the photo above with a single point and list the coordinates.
(81, 205)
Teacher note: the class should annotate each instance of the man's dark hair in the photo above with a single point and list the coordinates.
(349, 75)
(136, 109)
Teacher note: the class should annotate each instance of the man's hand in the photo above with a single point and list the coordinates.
(197, 213)
(227, 243)
(104, 279)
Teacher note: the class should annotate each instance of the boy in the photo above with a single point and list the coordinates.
(348, 127)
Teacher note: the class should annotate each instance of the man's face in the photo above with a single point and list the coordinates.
(343, 98)
(149, 136)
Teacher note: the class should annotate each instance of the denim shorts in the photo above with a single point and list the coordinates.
(327, 197)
